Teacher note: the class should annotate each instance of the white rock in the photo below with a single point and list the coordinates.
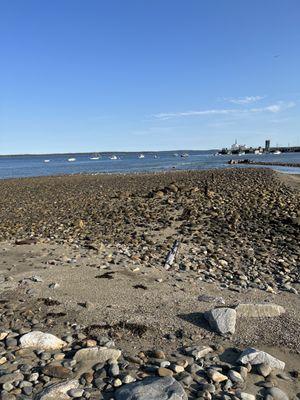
(222, 320)
(246, 396)
(254, 356)
(58, 391)
(97, 354)
(259, 310)
(42, 341)
(152, 388)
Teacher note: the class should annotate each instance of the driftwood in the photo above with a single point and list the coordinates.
(172, 254)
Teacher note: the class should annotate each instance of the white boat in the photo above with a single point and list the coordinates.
(184, 155)
(175, 154)
(242, 153)
(95, 156)
(141, 156)
(113, 157)
(71, 159)
(46, 161)
(155, 156)
(277, 152)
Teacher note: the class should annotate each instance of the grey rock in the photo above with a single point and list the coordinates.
(235, 376)
(254, 356)
(153, 388)
(264, 369)
(222, 320)
(277, 394)
(13, 377)
(58, 391)
(75, 392)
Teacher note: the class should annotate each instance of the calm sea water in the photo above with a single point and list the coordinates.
(28, 166)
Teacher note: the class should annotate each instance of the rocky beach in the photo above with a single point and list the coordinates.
(90, 310)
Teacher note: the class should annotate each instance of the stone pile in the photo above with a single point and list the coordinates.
(238, 227)
(41, 366)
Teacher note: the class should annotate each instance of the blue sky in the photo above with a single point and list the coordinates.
(148, 75)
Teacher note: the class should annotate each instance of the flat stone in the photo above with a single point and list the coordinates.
(41, 341)
(259, 310)
(152, 388)
(13, 377)
(198, 351)
(222, 320)
(254, 357)
(57, 371)
(58, 391)
(97, 354)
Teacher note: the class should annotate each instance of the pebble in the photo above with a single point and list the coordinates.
(216, 376)
(164, 372)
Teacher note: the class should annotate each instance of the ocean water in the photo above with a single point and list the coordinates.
(30, 166)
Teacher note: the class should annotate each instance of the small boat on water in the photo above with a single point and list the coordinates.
(184, 155)
(113, 157)
(95, 157)
(71, 159)
(277, 152)
(175, 154)
(155, 156)
(141, 156)
(46, 161)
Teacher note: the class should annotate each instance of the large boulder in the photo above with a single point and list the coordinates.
(152, 388)
(254, 357)
(222, 320)
(259, 310)
(41, 341)
(58, 391)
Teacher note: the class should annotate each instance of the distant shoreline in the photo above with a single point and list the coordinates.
(108, 152)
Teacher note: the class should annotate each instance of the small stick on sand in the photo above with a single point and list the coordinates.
(172, 254)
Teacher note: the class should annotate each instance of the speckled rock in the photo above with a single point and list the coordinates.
(222, 320)
(166, 388)
(58, 391)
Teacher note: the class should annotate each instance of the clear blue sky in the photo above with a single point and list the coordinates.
(101, 75)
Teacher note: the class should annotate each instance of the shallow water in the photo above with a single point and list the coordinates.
(29, 166)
